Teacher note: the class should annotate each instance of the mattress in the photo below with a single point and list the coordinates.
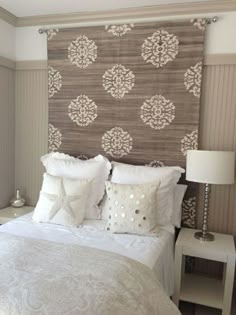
(154, 252)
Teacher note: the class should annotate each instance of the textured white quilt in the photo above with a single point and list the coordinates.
(42, 277)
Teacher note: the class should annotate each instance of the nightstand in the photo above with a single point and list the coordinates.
(200, 289)
(11, 213)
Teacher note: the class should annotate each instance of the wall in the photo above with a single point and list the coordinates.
(7, 108)
(7, 40)
(217, 121)
(7, 122)
(33, 46)
(218, 132)
(31, 130)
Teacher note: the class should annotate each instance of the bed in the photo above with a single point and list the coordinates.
(155, 253)
(50, 269)
(137, 109)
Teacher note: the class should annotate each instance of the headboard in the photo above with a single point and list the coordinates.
(130, 92)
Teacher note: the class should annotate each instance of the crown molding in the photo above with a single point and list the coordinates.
(7, 17)
(7, 63)
(130, 13)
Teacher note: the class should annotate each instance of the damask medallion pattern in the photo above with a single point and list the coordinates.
(189, 212)
(54, 138)
(82, 52)
(201, 24)
(119, 30)
(189, 142)
(117, 142)
(130, 92)
(193, 79)
(82, 110)
(54, 81)
(118, 81)
(155, 163)
(160, 48)
(52, 32)
(157, 112)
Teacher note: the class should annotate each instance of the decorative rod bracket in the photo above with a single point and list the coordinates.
(212, 20)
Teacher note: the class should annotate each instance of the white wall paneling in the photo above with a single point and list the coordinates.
(7, 123)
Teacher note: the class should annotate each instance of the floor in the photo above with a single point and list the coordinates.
(191, 309)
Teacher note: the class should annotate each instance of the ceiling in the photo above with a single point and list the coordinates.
(22, 8)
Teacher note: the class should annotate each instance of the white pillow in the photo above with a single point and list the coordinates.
(97, 170)
(138, 174)
(132, 208)
(62, 201)
(179, 192)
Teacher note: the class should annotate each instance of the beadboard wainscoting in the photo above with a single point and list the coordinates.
(7, 122)
(31, 130)
(217, 132)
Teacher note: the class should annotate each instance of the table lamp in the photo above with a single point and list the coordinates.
(209, 167)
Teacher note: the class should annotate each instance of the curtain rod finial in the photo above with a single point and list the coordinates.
(41, 31)
(215, 19)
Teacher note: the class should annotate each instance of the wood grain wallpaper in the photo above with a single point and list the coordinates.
(130, 92)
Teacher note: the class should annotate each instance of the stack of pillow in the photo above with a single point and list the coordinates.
(138, 199)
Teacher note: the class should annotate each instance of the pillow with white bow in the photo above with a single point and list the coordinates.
(62, 201)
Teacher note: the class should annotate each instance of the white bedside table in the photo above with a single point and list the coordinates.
(11, 213)
(200, 289)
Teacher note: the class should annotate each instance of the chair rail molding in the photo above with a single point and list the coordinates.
(209, 60)
(7, 63)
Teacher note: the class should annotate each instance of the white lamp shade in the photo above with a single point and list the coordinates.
(210, 167)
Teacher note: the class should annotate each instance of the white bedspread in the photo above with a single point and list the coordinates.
(40, 277)
(156, 253)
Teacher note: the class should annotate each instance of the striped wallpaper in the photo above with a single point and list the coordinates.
(7, 122)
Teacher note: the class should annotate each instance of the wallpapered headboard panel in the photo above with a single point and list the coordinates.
(130, 92)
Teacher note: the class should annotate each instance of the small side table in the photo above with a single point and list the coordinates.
(200, 289)
(11, 213)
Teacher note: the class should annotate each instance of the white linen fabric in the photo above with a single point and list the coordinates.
(97, 170)
(155, 252)
(132, 208)
(62, 200)
(138, 174)
(41, 277)
(179, 192)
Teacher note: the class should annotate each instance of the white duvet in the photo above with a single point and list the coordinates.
(42, 276)
(155, 253)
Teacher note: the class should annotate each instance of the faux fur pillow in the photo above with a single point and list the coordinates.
(132, 208)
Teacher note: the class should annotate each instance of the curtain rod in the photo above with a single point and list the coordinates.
(209, 21)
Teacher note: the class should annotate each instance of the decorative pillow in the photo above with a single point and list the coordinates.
(179, 192)
(132, 208)
(138, 174)
(62, 201)
(97, 170)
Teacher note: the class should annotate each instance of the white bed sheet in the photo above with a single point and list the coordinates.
(154, 252)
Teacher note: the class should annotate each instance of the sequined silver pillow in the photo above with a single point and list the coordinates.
(132, 208)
